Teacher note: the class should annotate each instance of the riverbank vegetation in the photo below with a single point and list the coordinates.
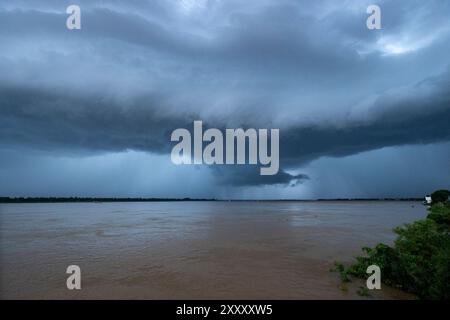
(419, 260)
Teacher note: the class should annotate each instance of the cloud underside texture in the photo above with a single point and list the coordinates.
(138, 70)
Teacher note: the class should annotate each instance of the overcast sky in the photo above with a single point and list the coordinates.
(361, 113)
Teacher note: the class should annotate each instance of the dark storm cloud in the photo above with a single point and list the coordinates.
(95, 123)
(140, 69)
(249, 176)
(419, 114)
(50, 120)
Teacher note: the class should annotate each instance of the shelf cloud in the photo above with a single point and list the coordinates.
(137, 70)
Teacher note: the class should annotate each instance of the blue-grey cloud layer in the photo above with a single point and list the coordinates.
(139, 69)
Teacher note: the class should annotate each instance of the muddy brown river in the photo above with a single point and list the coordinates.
(192, 250)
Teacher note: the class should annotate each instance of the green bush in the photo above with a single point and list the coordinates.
(440, 196)
(419, 261)
(440, 213)
(423, 251)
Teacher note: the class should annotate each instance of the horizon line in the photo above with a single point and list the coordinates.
(51, 199)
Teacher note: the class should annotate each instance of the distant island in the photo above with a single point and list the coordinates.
(92, 199)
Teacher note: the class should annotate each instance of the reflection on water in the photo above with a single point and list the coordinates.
(208, 250)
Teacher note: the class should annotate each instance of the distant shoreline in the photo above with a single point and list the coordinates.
(88, 199)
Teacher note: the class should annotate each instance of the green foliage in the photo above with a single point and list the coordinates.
(381, 255)
(440, 196)
(423, 250)
(440, 213)
(419, 261)
(343, 272)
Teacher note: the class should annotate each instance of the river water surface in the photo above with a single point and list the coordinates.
(192, 250)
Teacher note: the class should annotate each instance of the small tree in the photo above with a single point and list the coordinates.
(440, 196)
